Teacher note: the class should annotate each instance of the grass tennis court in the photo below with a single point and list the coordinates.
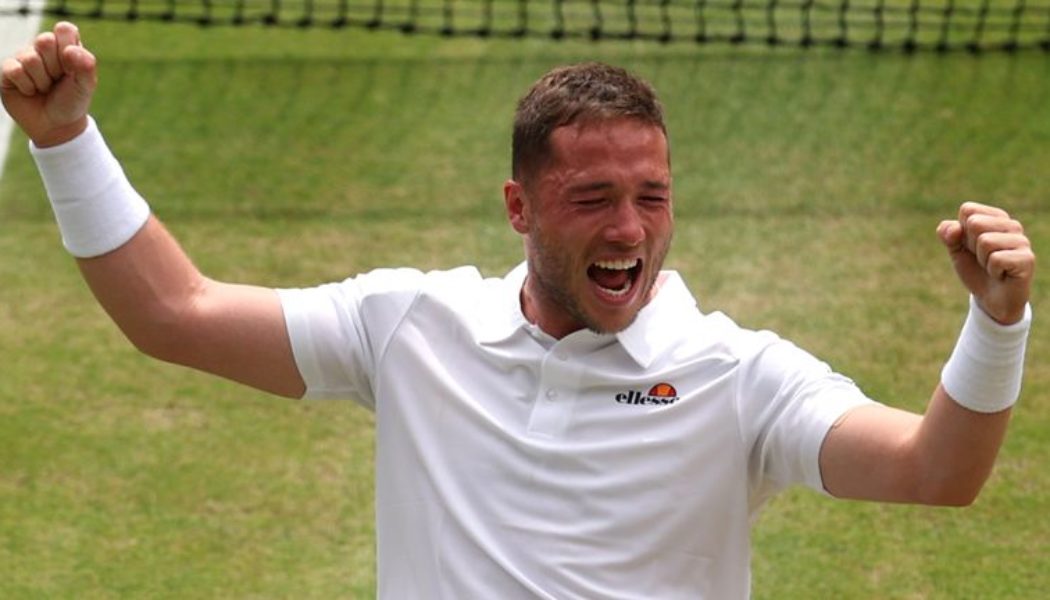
(808, 185)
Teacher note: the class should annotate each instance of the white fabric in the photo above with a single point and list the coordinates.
(984, 371)
(511, 465)
(96, 208)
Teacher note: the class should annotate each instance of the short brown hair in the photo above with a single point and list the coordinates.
(587, 92)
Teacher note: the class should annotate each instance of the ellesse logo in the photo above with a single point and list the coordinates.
(661, 393)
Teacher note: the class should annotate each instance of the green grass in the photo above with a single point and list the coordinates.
(808, 186)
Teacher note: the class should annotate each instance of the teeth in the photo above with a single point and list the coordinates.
(618, 265)
(619, 292)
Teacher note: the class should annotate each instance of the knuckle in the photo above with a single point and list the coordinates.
(32, 62)
(984, 245)
(969, 209)
(44, 40)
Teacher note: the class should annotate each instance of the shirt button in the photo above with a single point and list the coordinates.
(561, 355)
(551, 395)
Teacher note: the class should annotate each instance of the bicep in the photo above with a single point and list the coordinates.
(238, 332)
(866, 455)
(170, 311)
(941, 458)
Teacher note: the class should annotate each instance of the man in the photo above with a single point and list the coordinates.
(577, 429)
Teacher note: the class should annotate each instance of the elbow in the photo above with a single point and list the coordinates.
(162, 333)
(953, 500)
(958, 492)
(160, 347)
(956, 480)
(158, 342)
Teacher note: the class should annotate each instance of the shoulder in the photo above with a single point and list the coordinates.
(678, 314)
(769, 365)
(394, 283)
(382, 295)
(761, 349)
(461, 293)
(741, 342)
(756, 352)
(402, 280)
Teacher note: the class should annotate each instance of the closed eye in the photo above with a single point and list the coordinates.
(589, 201)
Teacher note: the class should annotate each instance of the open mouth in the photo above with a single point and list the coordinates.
(615, 277)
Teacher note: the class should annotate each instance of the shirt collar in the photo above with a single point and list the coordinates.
(655, 328)
(659, 323)
(506, 317)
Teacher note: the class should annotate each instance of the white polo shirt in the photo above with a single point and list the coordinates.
(512, 465)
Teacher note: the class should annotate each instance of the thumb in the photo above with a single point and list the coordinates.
(951, 235)
(970, 273)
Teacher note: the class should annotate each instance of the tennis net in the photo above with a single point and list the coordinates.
(909, 25)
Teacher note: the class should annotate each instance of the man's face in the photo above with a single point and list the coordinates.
(597, 222)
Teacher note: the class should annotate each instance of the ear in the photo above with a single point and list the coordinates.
(517, 208)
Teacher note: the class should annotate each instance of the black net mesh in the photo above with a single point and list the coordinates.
(910, 25)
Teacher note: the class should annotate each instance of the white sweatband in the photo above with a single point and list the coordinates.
(96, 208)
(984, 371)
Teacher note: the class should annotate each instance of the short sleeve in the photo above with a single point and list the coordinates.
(338, 331)
(788, 402)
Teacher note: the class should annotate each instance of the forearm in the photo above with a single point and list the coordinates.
(966, 421)
(136, 270)
(147, 286)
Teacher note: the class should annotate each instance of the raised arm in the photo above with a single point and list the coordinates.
(945, 455)
(136, 270)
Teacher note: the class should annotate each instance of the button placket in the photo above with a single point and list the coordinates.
(552, 407)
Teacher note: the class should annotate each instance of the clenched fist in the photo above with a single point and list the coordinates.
(992, 257)
(47, 87)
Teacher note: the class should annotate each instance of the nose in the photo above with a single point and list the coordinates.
(625, 226)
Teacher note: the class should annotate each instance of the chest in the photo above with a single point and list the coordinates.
(580, 415)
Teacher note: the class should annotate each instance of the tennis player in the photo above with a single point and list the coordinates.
(577, 428)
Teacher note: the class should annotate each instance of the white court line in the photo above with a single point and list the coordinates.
(15, 32)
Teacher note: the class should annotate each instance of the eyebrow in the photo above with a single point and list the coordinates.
(604, 185)
(656, 185)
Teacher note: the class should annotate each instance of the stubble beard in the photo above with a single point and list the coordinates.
(551, 275)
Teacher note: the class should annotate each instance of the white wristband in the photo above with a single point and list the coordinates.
(96, 208)
(984, 371)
